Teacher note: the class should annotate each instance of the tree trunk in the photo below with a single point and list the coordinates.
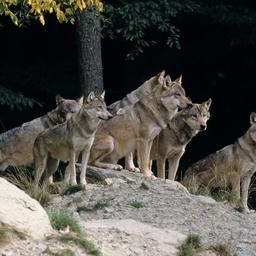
(89, 52)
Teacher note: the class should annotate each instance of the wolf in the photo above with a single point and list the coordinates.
(129, 100)
(16, 145)
(66, 141)
(133, 97)
(171, 142)
(138, 126)
(232, 165)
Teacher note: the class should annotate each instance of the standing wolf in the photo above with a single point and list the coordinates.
(67, 140)
(171, 142)
(130, 99)
(133, 97)
(138, 126)
(16, 145)
(233, 165)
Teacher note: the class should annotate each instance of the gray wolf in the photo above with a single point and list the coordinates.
(138, 126)
(66, 141)
(16, 145)
(134, 96)
(233, 165)
(129, 100)
(171, 142)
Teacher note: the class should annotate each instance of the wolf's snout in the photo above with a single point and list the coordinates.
(202, 127)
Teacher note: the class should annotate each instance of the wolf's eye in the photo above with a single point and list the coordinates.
(177, 94)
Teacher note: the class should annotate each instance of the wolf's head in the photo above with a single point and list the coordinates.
(66, 107)
(173, 96)
(197, 116)
(252, 130)
(95, 106)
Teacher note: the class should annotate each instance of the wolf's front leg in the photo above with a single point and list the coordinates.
(143, 151)
(160, 163)
(245, 187)
(129, 163)
(85, 157)
(173, 162)
(70, 172)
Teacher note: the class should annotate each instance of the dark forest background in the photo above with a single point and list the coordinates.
(215, 53)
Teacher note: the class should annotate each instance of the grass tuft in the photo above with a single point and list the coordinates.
(100, 204)
(22, 178)
(136, 204)
(62, 218)
(82, 242)
(64, 252)
(4, 236)
(72, 189)
(224, 195)
(223, 249)
(188, 247)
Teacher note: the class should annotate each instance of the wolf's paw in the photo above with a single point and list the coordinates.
(134, 169)
(149, 174)
(117, 167)
(73, 182)
(247, 210)
(83, 183)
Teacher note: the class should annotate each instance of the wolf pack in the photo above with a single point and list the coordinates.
(154, 122)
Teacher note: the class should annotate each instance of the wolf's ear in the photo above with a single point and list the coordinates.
(120, 111)
(59, 99)
(103, 95)
(207, 103)
(253, 118)
(80, 100)
(161, 78)
(168, 80)
(90, 97)
(179, 80)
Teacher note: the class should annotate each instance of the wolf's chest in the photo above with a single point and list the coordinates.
(80, 143)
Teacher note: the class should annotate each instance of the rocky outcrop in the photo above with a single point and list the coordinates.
(129, 215)
(21, 213)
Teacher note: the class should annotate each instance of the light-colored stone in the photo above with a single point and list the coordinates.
(20, 212)
(206, 200)
(135, 234)
(176, 185)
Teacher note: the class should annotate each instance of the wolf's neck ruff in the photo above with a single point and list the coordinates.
(160, 119)
(52, 117)
(241, 143)
(184, 133)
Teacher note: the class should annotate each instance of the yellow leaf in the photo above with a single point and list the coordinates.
(41, 19)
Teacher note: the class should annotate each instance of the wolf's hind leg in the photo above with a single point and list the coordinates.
(101, 150)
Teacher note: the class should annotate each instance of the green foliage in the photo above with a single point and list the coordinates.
(145, 23)
(192, 243)
(16, 99)
(81, 241)
(64, 252)
(100, 204)
(4, 238)
(136, 204)
(72, 189)
(239, 208)
(138, 21)
(224, 195)
(22, 178)
(62, 218)
(223, 249)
